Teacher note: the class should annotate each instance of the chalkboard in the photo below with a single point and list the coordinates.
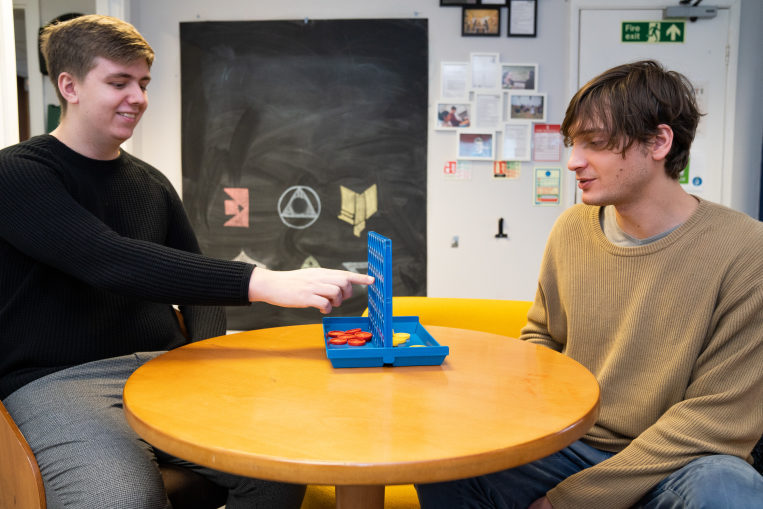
(299, 137)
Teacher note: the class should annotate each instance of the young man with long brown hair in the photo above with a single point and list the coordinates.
(660, 295)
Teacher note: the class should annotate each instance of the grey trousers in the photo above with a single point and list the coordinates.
(89, 456)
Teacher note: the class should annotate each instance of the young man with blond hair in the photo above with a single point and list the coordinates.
(660, 295)
(95, 249)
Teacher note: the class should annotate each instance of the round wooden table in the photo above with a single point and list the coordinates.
(268, 404)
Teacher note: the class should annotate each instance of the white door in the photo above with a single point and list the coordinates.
(702, 58)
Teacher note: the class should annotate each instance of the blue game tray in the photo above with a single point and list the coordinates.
(420, 349)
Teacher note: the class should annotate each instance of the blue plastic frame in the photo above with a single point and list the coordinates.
(421, 349)
(380, 293)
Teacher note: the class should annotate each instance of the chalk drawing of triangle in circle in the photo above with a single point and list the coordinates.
(306, 207)
(301, 209)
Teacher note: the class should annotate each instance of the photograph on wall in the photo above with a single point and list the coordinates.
(453, 115)
(485, 71)
(298, 138)
(454, 80)
(519, 76)
(476, 145)
(524, 106)
(481, 21)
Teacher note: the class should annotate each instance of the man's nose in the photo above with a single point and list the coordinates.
(576, 160)
(137, 94)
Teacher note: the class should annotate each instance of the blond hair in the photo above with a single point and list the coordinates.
(72, 46)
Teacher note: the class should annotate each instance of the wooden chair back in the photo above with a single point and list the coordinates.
(20, 480)
(21, 483)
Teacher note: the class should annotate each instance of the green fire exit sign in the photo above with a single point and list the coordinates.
(653, 31)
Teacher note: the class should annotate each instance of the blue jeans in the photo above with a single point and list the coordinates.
(89, 457)
(711, 482)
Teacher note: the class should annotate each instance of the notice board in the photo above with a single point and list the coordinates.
(298, 138)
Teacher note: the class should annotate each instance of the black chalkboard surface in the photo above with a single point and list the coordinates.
(299, 137)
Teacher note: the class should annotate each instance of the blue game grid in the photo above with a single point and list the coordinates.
(382, 324)
(380, 293)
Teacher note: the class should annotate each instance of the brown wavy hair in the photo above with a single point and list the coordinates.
(72, 46)
(628, 102)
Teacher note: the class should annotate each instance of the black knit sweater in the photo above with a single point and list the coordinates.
(92, 256)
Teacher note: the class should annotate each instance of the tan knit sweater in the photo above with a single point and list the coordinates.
(673, 332)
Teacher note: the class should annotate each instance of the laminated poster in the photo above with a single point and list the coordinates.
(547, 142)
(508, 170)
(457, 170)
(548, 184)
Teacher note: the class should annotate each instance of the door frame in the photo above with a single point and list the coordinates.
(33, 22)
(732, 57)
(9, 117)
(35, 79)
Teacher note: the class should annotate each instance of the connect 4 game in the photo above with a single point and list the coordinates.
(380, 338)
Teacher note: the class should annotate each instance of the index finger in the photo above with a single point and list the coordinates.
(360, 279)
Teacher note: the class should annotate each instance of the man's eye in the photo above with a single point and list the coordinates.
(117, 85)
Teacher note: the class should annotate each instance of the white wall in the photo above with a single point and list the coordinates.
(9, 129)
(49, 10)
(748, 131)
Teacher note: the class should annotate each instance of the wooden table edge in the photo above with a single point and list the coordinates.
(325, 473)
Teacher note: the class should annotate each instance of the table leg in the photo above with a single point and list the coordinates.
(360, 497)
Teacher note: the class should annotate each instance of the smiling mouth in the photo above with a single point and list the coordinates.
(131, 116)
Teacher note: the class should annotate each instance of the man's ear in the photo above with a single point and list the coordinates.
(662, 142)
(67, 85)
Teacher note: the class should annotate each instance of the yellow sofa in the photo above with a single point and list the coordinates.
(506, 317)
